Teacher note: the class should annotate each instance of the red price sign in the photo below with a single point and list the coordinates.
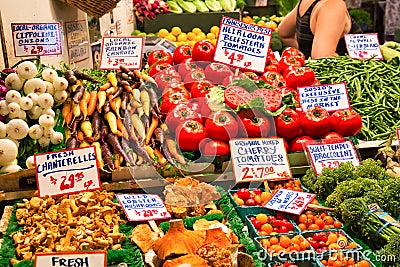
(330, 164)
(143, 207)
(67, 172)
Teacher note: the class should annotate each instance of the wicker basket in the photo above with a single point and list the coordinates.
(94, 8)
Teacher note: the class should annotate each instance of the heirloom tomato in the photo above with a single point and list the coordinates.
(189, 134)
(216, 72)
(296, 144)
(296, 53)
(272, 98)
(221, 125)
(158, 67)
(159, 55)
(180, 113)
(235, 96)
(203, 50)
(287, 124)
(181, 53)
(315, 122)
(201, 88)
(302, 76)
(347, 122)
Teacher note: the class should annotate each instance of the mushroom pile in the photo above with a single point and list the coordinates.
(84, 221)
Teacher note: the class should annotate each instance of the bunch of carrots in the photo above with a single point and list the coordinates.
(121, 118)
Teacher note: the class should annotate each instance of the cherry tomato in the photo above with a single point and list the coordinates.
(243, 193)
(189, 134)
(257, 191)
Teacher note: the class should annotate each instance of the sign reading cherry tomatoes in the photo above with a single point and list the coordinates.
(67, 172)
(330, 155)
(259, 159)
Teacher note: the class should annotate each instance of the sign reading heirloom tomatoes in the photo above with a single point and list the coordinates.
(143, 207)
(242, 45)
(117, 50)
(259, 159)
(289, 201)
(67, 172)
(363, 46)
(332, 97)
(330, 155)
(77, 258)
(36, 39)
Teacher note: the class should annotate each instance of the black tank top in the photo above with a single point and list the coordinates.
(305, 36)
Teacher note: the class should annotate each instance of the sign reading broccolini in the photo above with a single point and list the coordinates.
(242, 45)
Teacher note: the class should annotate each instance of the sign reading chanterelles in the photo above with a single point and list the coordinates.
(118, 50)
(259, 159)
(242, 45)
(36, 39)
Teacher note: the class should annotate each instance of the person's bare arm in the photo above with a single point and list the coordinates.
(329, 27)
(287, 29)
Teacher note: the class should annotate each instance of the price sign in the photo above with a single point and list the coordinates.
(363, 46)
(116, 51)
(332, 97)
(77, 40)
(77, 258)
(289, 201)
(67, 172)
(242, 45)
(259, 159)
(143, 207)
(330, 155)
(36, 39)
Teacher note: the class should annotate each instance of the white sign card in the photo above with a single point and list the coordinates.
(242, 45)
(118, 50)
(289, 201)
(143, 207)
(76, 258)
(331, 97)
(36, 39)
(259, 159)
(77, 40)
(67, 172)
(330, 155)
(363, 46)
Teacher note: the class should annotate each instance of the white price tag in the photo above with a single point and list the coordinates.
(363, 46)
(289, 201)
(77, 258)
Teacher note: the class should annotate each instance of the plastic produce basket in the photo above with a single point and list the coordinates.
(283, 255)
(301, 263)
(355, 254)
(243, 211)
(253, 231)
(292, 217)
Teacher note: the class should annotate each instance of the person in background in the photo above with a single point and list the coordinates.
(317, 27)
(392, 18)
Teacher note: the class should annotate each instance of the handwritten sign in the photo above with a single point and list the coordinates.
(77, 40)
(289, 201)
(143, 207)
(116, 51)
(67, 172)
(242, 45)
(259, 159)
(363, 46)
(330, 155)
(36, 39)
(76, 258)
(332, 97)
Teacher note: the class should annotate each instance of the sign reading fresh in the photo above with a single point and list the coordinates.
(332, 97)
(67, 172)
(330, 155)
(363, 46)
(143, 207)
(259, 159)
(289, 201)
(76, 258)
(242, 45)
(116, 51)
(36, 39)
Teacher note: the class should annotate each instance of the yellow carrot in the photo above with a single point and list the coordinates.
(150, 131)
(99, 156)
(161, 159)
(138, 125)
(84, 143)
(76, 110)
(102, 97)
(112, 78)
(87, 129)
(112, 121)
(66, 108)
(144, 96)
(116, 105)
(83, 104)
(122, 129)
(80, 136)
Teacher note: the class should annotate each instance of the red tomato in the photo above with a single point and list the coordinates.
(257, 191)
(235, 96)
(159, 55)
(221, 125)
(214, 148)
(250, 202)
(287, 124)
(189, 134)
(272, 98)
(165, 77)
(257, 126)
(243, 193)
(252, 75)
(292, 51)
(181, 53)
(156, 68)
(228, 79)
(346, 122)
(185, 67)
(296, 144)
(172, 97)
(193, 76)
(216, 72)
(285, 62)
(333, 136)
(271, 64)
(180, 113)
(200, 105)
(315, 122)
(274, 79)
(201, 88)
(303, 76)
(203, 50)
